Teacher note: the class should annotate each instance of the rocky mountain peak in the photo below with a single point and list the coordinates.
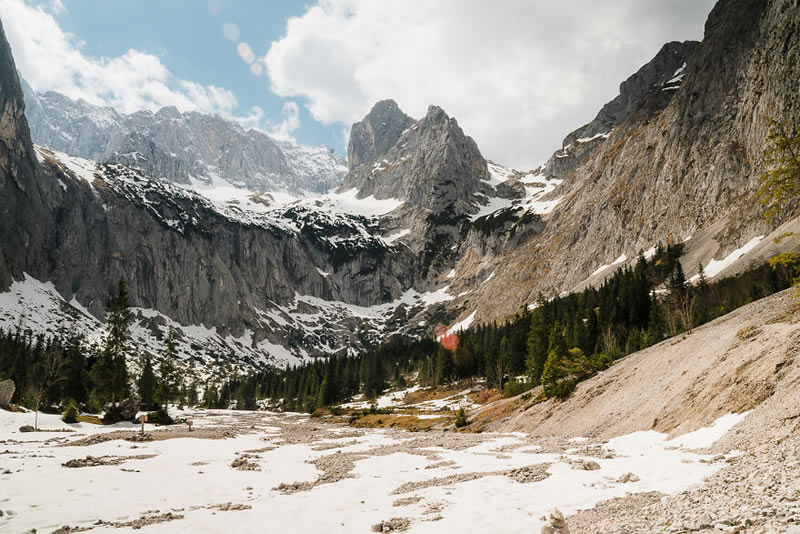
(650, 89)
(169, 113)
(376, 133)
(431, 163)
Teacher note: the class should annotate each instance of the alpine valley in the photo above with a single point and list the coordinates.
(256, 256)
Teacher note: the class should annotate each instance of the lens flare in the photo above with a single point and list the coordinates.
(245, 52)
(257, 69)
(448, 339)
(231, 31)
(215, 7)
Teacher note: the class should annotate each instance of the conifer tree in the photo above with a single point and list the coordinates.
(147, 382)
(537, 346)
(168, 378)
(110, 372)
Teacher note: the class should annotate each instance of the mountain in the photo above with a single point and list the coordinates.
(422, 230)
(180, 147)
(655, 82)
(685, 165)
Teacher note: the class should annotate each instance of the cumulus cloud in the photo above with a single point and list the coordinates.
(518, 75)
(290, 121)
(51, 59)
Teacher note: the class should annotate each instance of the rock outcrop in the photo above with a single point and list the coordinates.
(7, 389)
(660, 76)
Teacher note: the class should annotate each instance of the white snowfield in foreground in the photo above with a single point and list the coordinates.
(193, 477)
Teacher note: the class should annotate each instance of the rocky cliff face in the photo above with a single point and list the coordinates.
(672, 170)
(660, 76)
(24, 234)
(181, 147)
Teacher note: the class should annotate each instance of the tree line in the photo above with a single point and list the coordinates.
(556, 343)
(66, 369)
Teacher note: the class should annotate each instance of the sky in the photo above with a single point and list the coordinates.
(518, 75)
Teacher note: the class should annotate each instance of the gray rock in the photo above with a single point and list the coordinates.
(27, 428)
(372, 137)
(430, 164)
(7, 388)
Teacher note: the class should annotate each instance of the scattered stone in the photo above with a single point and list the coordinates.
(529, 474)
(407, 501)
(628, 477)
(556, 523)
(243, 463)
(585, 465)
(395, 524)
(228, 507)
(141, 437)
(94, 461)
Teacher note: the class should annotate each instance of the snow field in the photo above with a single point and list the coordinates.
(189, 477)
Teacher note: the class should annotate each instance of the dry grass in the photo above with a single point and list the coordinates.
(91, 419)
(404, 422)
(434, 393)
(485, 396)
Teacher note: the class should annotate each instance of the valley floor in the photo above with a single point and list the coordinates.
(264, 471)
(698, 433)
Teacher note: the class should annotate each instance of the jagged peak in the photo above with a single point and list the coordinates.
(376, 133)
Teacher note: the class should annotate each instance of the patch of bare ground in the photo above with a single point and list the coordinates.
(94, 461)
(145, 520)
(158, 435)
(523, 475)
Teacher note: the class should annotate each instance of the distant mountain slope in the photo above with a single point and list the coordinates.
(181, 147)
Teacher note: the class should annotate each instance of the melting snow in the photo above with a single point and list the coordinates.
(715, 267)
(464, 323)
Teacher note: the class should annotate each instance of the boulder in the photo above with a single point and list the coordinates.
(27, 428)
(556, 523)
(628, 477)
(129, 408)
(7, 388)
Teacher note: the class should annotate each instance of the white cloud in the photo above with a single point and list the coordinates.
(50, 59)
(518, 75)
(290, 121)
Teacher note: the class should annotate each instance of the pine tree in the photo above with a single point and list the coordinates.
(444, 366)
(168, 378)
(110, 372)
(147, 382)
(537, 346)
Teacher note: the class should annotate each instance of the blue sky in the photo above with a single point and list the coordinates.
(189, 40)
(518, 75)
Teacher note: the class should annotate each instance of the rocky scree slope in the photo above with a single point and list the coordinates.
(184, 148)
